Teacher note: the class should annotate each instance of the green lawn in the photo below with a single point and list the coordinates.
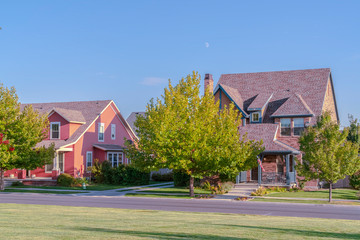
(57, 222)
(42, 191)
(349, 194)
(304, 201)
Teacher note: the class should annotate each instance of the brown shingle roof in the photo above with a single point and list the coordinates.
(266, 132)
(132, 118)
(84, 110)
(293, 106)
(260, 101)
(311, 84)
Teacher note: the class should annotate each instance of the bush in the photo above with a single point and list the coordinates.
(355, 180)
(261, 191)
(125, 175)
(66, 180)
(17, 184)
(166, 177)
(227, 186)
(277, 189)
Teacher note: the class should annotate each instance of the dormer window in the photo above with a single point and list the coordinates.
(55, 130)
(255, 117)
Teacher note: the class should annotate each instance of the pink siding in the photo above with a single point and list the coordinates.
(64, 126)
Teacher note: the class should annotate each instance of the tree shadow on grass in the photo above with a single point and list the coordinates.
(158, 235)
(307, 233)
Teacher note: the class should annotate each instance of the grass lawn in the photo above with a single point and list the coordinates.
(349, 194)
(92, 187)
(57, 222)
(304, 201)
(42, 191)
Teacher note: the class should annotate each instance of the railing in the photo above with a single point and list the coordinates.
(273, 178)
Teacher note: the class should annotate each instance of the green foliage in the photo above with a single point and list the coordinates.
(261, 191)
(355, 180)
(125, 175)
(166, 177)
(181, 179)
(186, 132)
(327, 153)
(96, 171)
(20, 132)
(66, 180)
(17, 184)
(277, 189)
(354, 130)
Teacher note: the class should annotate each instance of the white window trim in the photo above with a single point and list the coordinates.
(51, 124)
(252, 117)
(120, 161)
(113, 131)
(88, 159)
(99, 126)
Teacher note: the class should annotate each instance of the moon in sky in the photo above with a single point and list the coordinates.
(207, 44)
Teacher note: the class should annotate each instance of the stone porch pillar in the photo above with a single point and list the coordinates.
(287, 162)
(259, 170)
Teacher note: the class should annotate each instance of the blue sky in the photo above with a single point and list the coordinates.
(126, 50)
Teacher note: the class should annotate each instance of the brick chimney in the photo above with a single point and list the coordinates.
(208, 83)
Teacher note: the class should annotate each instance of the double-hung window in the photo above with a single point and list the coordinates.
(101, 130)
(55, 130)
(285, 126)
(113, 131)
(299, 126)
(255, 117)
(89, 159)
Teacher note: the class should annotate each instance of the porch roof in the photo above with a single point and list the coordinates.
(109, 147)
(267, 133)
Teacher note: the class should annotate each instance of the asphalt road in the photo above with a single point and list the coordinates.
(189, 205)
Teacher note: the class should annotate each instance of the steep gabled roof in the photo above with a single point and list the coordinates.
(132, 118)
(293, 106)
(234, 96)
(310, 84)
(260, 101)
(72, 116)
(266, 132)
(86, 111)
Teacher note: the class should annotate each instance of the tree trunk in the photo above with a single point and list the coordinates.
(2, 180)
(330, 192)
(191, 187)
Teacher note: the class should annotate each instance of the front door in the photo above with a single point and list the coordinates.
(254, 174)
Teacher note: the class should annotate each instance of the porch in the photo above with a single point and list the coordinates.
(277, 170)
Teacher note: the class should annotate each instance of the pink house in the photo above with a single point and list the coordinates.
(81, 132)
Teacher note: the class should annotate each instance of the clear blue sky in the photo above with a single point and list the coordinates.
(126, 50)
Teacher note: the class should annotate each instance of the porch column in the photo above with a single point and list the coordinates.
(55, 172)
(259, 170)
(287, 162)
(238, 178)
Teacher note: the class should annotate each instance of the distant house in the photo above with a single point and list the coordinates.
(132, 118)
(81, 132)
(276, 107)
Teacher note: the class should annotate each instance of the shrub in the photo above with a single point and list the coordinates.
(166, 177)
(261, 191)
(17, 184)
(206, 186)
(125, 175)
(355, 180)
(277, 189)
(227, 186)
(66, 180)
(182, 179)
(96, 172)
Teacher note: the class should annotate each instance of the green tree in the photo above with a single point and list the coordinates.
(20, 131)
(184, 131)
(354, 130)
(327, 153)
